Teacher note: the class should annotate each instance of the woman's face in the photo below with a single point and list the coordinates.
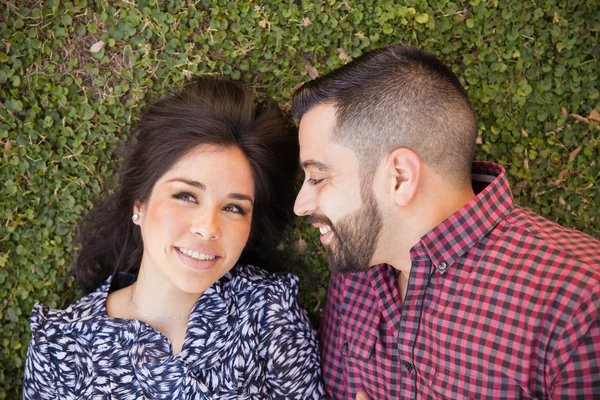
(197, 220)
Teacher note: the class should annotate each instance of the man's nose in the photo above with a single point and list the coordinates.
(305, 201)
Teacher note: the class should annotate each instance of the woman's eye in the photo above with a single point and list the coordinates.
(314, 182)
(233, 208)
(186, 197)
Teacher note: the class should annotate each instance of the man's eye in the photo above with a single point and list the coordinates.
(314, 182)
(186, 197)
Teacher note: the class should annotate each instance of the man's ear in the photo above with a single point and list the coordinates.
(403, 169)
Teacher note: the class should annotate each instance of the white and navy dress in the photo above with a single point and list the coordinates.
(247, 338)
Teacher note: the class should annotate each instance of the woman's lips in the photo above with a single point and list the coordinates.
(197, 260)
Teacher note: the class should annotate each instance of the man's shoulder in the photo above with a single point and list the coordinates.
(545, 256)
(578, 246)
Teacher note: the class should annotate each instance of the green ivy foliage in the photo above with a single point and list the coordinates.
(530, 67)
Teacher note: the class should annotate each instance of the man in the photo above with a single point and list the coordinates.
(441, 287)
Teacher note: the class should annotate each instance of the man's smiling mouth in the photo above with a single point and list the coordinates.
(324, 229)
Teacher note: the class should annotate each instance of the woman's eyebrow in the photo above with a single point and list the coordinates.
(239, 196)
(196, 184)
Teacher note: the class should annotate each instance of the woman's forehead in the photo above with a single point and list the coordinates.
(216, 165)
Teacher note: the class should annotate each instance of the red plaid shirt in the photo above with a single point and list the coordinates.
(501, 303)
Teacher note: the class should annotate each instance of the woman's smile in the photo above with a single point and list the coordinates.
(199, 259)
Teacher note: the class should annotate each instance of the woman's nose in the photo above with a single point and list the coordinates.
(206, 225)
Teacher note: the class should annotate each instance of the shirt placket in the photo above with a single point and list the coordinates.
(410, 322)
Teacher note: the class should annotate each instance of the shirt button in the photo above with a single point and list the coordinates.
(442, 267)
(407, 367)
(345, 347)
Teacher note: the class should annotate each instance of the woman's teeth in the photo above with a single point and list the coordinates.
(324, 229)
(196, 255)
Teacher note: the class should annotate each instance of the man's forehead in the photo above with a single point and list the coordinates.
(331, 159)
(316, 127)
(318, 150)
(318, 123)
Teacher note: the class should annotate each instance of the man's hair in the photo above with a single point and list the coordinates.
(398, 97)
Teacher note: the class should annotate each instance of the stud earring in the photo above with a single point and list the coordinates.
(135, 217)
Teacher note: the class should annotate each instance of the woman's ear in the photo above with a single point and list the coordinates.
(138, 209)
(403, 169)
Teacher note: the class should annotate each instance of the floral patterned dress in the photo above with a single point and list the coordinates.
(247, 338)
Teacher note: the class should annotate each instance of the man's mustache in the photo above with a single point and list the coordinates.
(319, 219)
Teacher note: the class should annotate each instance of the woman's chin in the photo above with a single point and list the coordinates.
(195, 281)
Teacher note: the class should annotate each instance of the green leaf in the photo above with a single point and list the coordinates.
(527, 66)
(422, 18)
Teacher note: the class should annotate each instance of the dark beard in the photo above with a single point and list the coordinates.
(354, 238)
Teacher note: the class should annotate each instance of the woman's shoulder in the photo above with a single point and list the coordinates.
(269, 299)
(260, 279)
(87, 308)
(255, 281)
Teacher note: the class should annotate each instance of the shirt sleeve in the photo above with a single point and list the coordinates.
(38, 379)
(291, 350)
(332, 363)
(575, 368)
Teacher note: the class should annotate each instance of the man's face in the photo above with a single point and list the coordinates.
(330, 195)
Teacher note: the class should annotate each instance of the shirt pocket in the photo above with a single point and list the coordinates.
(359, 346)
(448, 384)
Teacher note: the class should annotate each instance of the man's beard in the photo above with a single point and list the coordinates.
(354, 238)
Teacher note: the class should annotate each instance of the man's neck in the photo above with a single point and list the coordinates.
(402, 284)
(432, 213)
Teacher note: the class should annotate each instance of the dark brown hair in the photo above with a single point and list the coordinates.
(206, 111)
(394, 97)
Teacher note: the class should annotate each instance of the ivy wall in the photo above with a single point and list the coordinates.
(75, 74)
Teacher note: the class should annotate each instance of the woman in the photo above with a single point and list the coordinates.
(176, 315)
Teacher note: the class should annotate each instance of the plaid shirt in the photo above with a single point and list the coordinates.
(501, 303)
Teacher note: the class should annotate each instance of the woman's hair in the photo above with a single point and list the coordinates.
(207, 111)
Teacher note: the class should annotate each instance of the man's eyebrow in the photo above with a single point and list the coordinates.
(314, 164)
(201, 186)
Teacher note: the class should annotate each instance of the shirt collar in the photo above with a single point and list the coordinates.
(448, 241)
(211, 313)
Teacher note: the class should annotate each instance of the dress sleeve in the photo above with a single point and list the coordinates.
(575, 369)
(290, 347)
(39, 378)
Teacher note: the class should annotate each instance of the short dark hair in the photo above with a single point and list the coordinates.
(207, 111)
(394, 97)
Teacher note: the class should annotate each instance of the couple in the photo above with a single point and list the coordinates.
(441, 287)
